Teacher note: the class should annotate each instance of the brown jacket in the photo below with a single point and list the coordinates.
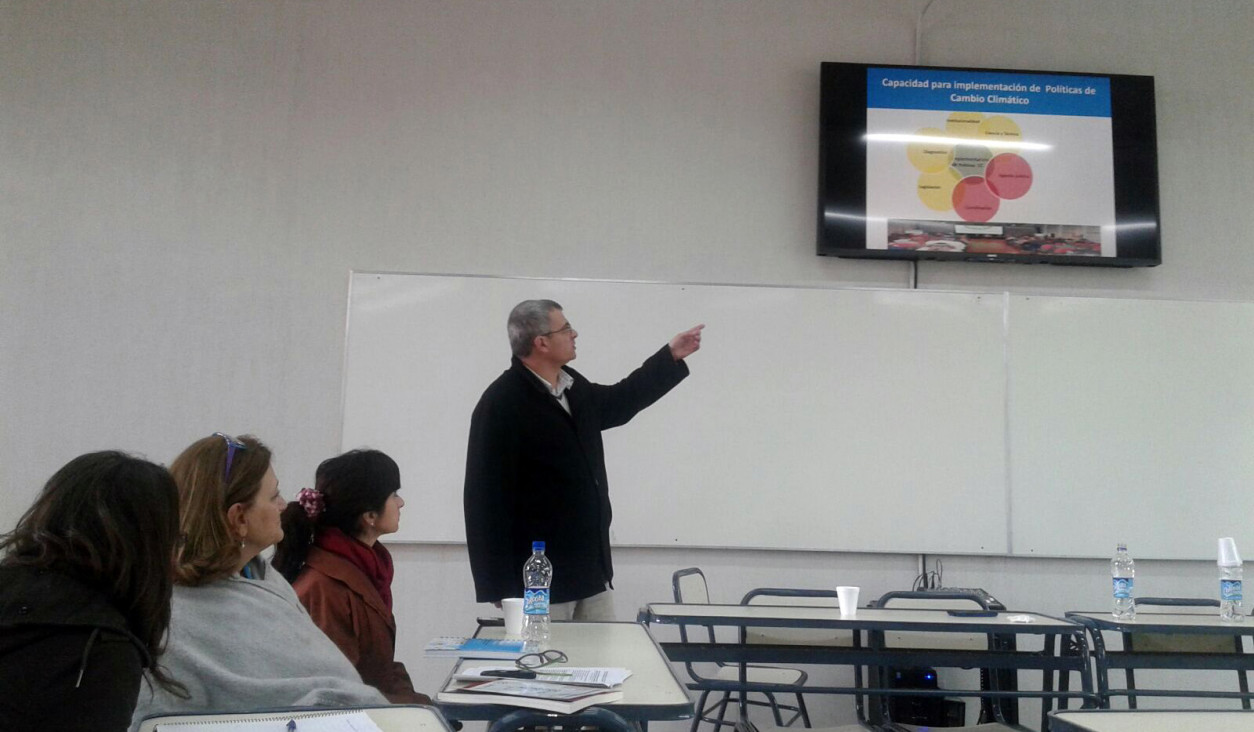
(343, 602)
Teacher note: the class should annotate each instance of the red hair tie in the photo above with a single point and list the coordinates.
(311, 501)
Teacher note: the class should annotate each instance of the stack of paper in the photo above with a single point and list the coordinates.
(600, 677)
(547, 696)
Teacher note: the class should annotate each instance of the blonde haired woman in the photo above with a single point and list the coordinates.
(239, 637)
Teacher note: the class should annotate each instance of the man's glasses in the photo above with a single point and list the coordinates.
(232, 445)
(533, 661)
(560, 331)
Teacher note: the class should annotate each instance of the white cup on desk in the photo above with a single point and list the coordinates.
(513, 607)
(847, 596)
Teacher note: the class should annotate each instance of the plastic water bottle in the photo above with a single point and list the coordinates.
(537, 577)
(1122, 572)
(1230, 607)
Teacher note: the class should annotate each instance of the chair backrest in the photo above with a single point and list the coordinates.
(1198, 605)
(933, 600)
(597, 718)
(1180, 642)
(795, 636)
(689, 588)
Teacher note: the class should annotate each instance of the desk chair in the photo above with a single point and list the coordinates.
(992, 716)
(1181, 642)
(592, 718)
(745, 725)
(689, 587)
(800, 636)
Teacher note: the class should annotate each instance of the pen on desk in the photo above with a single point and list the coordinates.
(512, 673)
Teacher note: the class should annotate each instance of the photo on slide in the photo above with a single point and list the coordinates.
(948, 236)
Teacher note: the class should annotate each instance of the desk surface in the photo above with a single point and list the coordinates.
(1149, 720)
(1146, 622)
(651, 693)
(865, 619)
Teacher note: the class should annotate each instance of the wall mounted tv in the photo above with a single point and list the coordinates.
(988, 165)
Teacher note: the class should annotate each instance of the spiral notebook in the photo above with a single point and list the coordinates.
(307, 722)
(394, 718)
(456, 647)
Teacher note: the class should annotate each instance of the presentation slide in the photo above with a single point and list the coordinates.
(989, 162)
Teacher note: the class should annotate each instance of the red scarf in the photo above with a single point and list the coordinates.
(374, 561)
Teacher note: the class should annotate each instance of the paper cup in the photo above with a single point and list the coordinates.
(848, 598)
(1228, 556)
(513, 607)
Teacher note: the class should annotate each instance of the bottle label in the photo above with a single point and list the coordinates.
(536, 601)
(1123, 587)
(1230, 590)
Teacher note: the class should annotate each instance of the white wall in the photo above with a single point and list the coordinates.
(185, 185)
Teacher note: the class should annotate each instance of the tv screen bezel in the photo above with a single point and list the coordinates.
(842, 171)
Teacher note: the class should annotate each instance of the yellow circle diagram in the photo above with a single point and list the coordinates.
(1000, 127)
(936, 189)
(930, 157)
(964, 124)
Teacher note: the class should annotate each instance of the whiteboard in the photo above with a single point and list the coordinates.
(1131, 420)
(849, 420)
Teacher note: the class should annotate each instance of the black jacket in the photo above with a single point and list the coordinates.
(534, 472)
(67, 660)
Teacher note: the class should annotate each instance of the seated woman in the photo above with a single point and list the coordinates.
(239, 638)
(85, 585)
(332, 556)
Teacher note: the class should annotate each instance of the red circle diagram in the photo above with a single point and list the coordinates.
(973, 201)
(1009, 176)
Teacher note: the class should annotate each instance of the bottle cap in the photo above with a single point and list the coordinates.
(538, 546)
(1228, 556)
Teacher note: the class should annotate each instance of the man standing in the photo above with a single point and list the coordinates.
(535, 466)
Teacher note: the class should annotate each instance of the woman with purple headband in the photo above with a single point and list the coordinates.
(332, 556)
(240, 640)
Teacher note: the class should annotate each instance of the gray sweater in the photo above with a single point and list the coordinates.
(241, 644)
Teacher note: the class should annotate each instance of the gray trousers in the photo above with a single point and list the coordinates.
(595, 609)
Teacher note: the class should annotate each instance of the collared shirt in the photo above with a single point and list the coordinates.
(564, 382)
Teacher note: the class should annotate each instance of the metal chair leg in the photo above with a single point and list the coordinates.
(722, 711)
(697, 718)
(801, 709)
(779, 719)
(1243, 680)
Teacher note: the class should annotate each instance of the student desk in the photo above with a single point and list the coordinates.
(651, 693)
(1179, 624)
(869, 626)
(1156, 720)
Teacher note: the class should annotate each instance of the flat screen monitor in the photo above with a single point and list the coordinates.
(988, 165)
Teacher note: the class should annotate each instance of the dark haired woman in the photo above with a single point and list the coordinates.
(85, 585)
(332, 556)
(239, 638)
